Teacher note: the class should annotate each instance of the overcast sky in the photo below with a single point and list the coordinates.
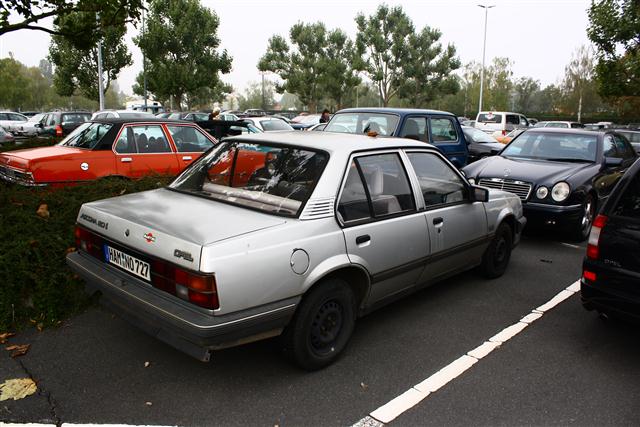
(539, 36)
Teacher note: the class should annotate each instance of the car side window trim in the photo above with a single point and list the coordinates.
(372, 218)
(430, 130)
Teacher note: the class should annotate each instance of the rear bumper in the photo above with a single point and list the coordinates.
(177, 323)
(599, 298)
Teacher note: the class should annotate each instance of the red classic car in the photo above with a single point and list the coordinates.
(128, 148)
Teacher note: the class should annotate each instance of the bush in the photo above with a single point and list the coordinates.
(35, 283)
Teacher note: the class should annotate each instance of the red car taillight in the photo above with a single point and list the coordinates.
(593, 250)
(58, 130)
(504, 132)
(589, 275)
(197, 288)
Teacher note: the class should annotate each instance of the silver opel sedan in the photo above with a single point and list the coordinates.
(291, 234)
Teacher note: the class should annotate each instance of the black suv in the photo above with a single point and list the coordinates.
(611, 270)
(61, 123)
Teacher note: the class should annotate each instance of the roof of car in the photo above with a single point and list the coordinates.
(332, 142)
(150, 119)
(401, 111)
(577, 131)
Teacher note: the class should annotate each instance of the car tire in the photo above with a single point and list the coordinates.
(496, 257)
(322, 325)
(583, 226)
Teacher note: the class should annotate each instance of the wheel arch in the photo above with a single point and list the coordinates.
(356, 277)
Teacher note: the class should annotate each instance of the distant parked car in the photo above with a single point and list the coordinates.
(189, 116)
(318, 127)
(268, 124)
(121, 114)
(501, 121)
(62, 123)
(304, 122)
(32, 127)
(532, 121)
(5, 137)
(633, 136)
(560, 124)
(164, 115)
(505, 139)
(11, 121)
(439, 128)
(563, 176)
(254, 112)
(610, 280)
(294, 234)
(129, 148)
(480, 144)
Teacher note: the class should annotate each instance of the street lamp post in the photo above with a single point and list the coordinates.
(484, 46)
(100, 77)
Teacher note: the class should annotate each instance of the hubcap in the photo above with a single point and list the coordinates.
(326, 326)
(588, 215)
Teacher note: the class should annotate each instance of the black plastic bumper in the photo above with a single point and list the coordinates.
(173, 321)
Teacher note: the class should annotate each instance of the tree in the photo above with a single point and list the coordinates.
(76, 69)
(339, 74)
(578, 74)
(525, 89)
(300, 68)
(25, 15)
(180, 44)
(615, 30)
(252, 97)
(428, 71)
(13, 83)
(382, 44)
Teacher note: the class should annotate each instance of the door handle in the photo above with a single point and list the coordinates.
(126, 160)
(186, 158)
(362, 239)
(438, 221)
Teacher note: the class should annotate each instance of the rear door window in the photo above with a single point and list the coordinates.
(512, 119)
(142, 139)
(629, 203)
(443, 130)
(415, 128)
(189, 139)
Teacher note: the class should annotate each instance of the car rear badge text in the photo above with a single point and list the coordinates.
(182, 254)
(92, 220)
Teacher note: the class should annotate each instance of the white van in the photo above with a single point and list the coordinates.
(501, 121)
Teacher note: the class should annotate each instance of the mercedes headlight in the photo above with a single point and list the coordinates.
(471, 181)
(560, 191)
(542, 192)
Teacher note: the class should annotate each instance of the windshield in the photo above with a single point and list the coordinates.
(489, 118)
(553, 146)
(476, 135)
(36, 118)
(76, 117)
(362, 123)
(275, 124)
(86, 135)
(272, 179)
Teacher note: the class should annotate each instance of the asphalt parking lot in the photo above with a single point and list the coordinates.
(568, 367)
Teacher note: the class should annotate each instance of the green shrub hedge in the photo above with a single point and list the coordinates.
(35, 283)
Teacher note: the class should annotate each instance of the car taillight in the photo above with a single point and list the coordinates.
(504, 132)
(197, 288)
(88, 242)
(589, 275)
(593, 250)
(58, 130)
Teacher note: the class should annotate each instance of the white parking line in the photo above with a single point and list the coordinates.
(410, 398)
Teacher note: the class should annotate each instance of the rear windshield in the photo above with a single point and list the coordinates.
(489, 118)
(362, 123)
(86, 135)
(553, 146)
(76, 117)
(276, 124)
(272, 179)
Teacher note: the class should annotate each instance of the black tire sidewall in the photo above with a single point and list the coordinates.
(491, 267)
(297, 338)
(581, 234)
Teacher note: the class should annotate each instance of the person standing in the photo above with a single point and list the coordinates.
(325, 116)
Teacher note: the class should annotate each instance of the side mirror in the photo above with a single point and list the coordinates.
(479, 194)
(38, 125)
(612, 162)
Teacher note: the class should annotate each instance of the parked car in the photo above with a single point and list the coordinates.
(5, 137)
(31, 127)
(129, 148)
(501, 121)
(29, 113)
(228, 117)
(318, 127)
(430, 126)
(268, 124)
(275, 234)
(562, 175)
(164, 115)
(10, 121)
(62, 123)
(220, 129)
(480, 144)
(610, 278)
(251, 112)
(189, 116)
(122, 114)
(559, 124)
(532, 121)
(304, 122)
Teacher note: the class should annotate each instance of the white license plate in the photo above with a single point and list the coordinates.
(131, 264)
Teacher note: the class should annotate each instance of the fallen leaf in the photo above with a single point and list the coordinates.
(71, 249)
(18, 350)
(18, 388)
(43, 211)
(364, 386)
(40, 326)
(124, 190)
(5, 336)
(148, 403)
(146, 364)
